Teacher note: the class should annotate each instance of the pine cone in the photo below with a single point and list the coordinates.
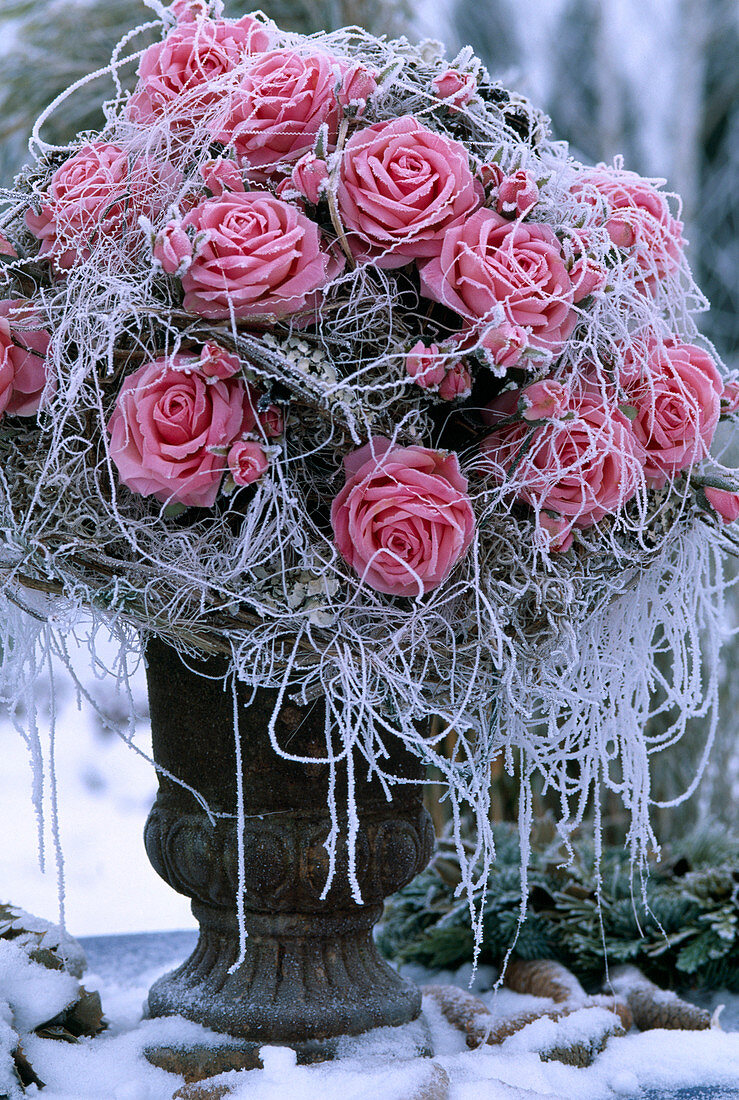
(654, 1007)
(544, 978)
(436, 1087)
(463, 1010)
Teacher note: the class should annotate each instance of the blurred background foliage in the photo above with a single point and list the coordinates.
(655, 80)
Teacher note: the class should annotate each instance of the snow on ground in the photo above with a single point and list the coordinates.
(646, 1066)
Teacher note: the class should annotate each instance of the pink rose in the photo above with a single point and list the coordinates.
(310, 178)
(216, 362)
(401, 188)
(503, 346)
(185, 11)
(403, 520)
(278, 108)
(247, 462)
(637, 218)
(457, 382)
(182, 78)
(23, 370)
(169, 424)
(558, 532)
(222, 175)
(357, 85)
(677, 396)
(517, 194)
(546, 400)
(260, 256)
(583, 469)
(173, 249)
(425, 366)
(98, 195)
(588, 277)
(272, 421)
(454, 87)
(724, 502)
(6, 248)
(488, 262)
(730, 397)
(492, 175)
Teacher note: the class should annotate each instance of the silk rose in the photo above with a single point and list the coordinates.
(403, 520)
(401, 187)
(583, 469)
(98, 195)
(676, 390)
(179, 77)
(171, 427)
(638, 220)
(488, 262)
(725, 503)
(259, 256)
(23, 368)
(280, 105)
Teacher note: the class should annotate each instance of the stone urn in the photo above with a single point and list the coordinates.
(311, 971)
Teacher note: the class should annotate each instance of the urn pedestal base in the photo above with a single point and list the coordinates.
(310, 971)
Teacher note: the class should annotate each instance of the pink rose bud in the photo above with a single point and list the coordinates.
(216, 362)
(6, 248)
(492, 176)
(187, 11)
(424, 366)
(621, 231)
(173, 249)
(358, 83)
(517, 194)
(222, 175)
(247, 462)
(287, 191)
(272, 421)
(504, 346)
(454, 87)
(544, 400)
(558, 530)
(724, 502)
(457, 382)
(310, 177)
(588, 277)
(730, 397)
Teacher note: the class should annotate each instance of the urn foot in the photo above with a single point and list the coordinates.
(304, 978)
(199, 1062)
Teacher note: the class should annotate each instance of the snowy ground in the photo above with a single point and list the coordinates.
(657, 1065)
(105, 791)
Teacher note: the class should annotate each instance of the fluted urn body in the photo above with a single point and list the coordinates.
(310, 969)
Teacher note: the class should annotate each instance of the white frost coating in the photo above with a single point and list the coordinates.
(546, 659)
(241, 882)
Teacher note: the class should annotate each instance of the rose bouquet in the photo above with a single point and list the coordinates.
(325, 356)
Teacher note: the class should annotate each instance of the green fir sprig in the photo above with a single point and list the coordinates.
(687, 934)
